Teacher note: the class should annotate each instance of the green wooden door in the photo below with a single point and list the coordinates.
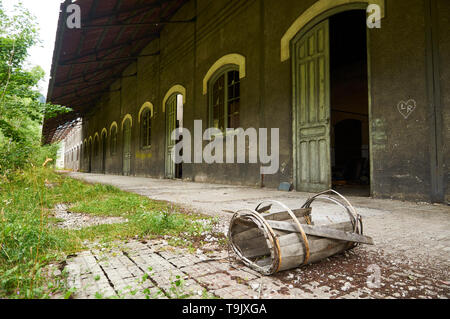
(311, 113)
(127, 148)
(171, 118)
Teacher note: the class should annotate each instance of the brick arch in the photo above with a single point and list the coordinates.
(146, 105)
(315, 10)
(104, 130)
(174, 89)
(114, 123)
(126, 117)
(233, 58)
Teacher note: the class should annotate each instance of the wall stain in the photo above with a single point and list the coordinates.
(379, 137)
(143, 156)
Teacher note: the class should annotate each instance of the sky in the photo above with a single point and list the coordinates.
(47, 13)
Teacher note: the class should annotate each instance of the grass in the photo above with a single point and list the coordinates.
(29, 240)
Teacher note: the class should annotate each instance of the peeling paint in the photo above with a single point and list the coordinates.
(402, 176)
(379, 137)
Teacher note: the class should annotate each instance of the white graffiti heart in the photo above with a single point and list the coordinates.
(406, 108)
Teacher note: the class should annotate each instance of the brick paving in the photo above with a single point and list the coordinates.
(151, 269)
(410, 259)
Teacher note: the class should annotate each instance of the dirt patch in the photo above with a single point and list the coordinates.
(78, 221)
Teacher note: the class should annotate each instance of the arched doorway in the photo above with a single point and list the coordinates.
(126, 127)
(104, 143)
(330, 85)
(90, 156)
(174, 119)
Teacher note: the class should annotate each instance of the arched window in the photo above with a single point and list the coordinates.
(146, 128)
(224, 98)
(96, 146)
(113, 140)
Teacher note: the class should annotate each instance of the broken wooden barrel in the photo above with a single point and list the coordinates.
(273, 241)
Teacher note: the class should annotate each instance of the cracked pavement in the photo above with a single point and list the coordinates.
(410, 258)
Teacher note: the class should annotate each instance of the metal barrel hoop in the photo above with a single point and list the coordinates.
(267, 229)
(355, 218)
(298, 224)
(268, 239)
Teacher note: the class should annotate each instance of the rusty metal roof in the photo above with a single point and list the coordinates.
(87, 60)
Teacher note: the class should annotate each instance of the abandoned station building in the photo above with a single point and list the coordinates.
(359, 89)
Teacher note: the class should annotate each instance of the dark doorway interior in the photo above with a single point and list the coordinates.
(179, 166)
(349, 103)
(179, 125)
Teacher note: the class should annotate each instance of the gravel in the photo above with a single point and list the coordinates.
(78, 221)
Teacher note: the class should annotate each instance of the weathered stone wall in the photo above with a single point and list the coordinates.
(400, 148)
(72, 149)
(444, 67)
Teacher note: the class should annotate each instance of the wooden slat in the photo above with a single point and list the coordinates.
(254, 243)
(299, 213)
(256, 252)
(291, 260)
(250, 235)
(322, 231)
(242, 226)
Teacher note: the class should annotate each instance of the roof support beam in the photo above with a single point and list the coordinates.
(83, 35)
(92, 76)
(103, 80)
(135, 57)
(142, 8)
(114, 47)
(98, 81)
(139, 24)
(76, 93)
(100, 64)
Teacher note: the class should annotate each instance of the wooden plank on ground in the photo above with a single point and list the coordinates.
(322, 231)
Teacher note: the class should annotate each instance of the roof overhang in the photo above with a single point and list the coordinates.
(87, 60)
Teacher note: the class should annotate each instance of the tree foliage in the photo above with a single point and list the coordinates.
(21, 107)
